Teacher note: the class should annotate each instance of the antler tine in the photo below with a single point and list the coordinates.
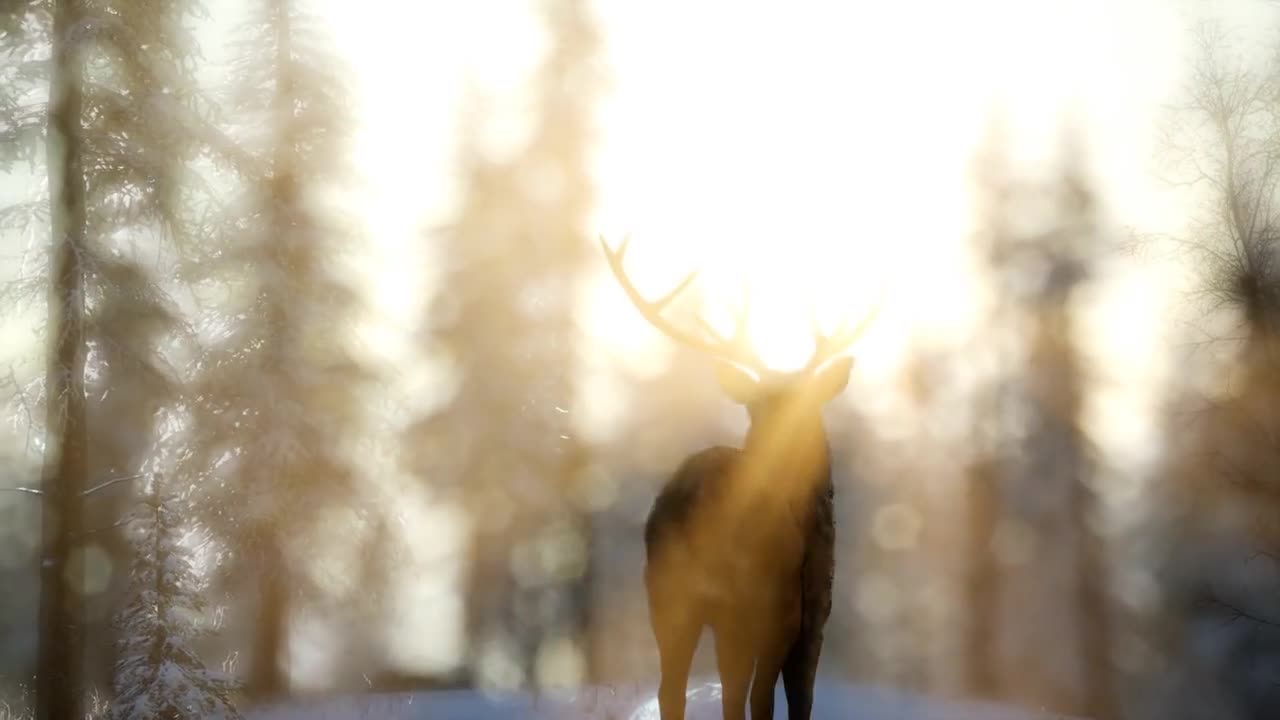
(740, 318)
(826, 346)
(675, 292)
(815, 327)
(744, 354)
(652, 310)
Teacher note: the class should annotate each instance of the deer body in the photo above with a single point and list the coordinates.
(743, 541)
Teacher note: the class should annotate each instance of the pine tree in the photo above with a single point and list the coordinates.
(158, 675)
(108, 87)
(512, 264)
(1058, 388)
(1039, 270)
(144, 130)
(278, 397)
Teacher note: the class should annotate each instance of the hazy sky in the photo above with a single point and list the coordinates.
(733, 129)
(823, 147)
(827, 135)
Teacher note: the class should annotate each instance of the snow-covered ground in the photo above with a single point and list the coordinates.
(834, 701)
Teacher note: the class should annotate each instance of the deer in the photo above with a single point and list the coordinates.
(743, 540)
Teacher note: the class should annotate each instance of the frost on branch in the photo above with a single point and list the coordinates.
(157, 674)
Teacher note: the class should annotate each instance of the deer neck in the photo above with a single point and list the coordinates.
(785, 462)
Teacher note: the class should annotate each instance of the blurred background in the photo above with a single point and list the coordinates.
(309, 356)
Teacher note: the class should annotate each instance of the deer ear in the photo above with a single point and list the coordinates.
(832, 378)
(736, 383)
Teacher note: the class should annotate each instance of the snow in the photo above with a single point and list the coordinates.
(635, 702)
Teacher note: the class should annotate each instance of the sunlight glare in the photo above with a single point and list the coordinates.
(822, 173)
(826, 175)
(412, 78)
(812, 197)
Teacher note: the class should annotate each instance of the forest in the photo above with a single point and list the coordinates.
(326, 392)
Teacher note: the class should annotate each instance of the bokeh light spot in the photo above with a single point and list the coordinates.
(560, 663)
(89, 570)
(877, 598)
(896, 527)
(1014, 542)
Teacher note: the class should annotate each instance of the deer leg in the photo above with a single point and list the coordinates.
(799, 671)
(677, 637)
(768, 667)
(735, 661)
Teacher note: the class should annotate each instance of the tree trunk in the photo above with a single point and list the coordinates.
(1095, 612)
(267, 678)
(268, 675)
(984, 582)
(58, 674)
(583, 613)
(1064, 393)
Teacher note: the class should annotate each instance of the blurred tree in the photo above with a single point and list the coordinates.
(938, 464)
(512, 263)
(986, 466)
(277, 397)
(1032, 485)
(1059, 444)
(894, 468)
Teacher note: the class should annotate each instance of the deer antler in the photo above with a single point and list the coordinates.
(733, 349)
(827, 346)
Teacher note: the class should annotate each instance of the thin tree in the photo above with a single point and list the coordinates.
(1222, 146)
(58, 672)
(1222, 143)
(983, 503)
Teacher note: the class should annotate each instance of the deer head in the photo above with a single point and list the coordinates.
(772, 398)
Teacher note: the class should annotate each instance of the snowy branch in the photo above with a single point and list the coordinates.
(111, 482)
(86, 493)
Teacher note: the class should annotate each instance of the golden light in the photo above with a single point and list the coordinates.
(818, 155)
(778, 170)
(414, 66)
(822, 154)
(812, 153)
